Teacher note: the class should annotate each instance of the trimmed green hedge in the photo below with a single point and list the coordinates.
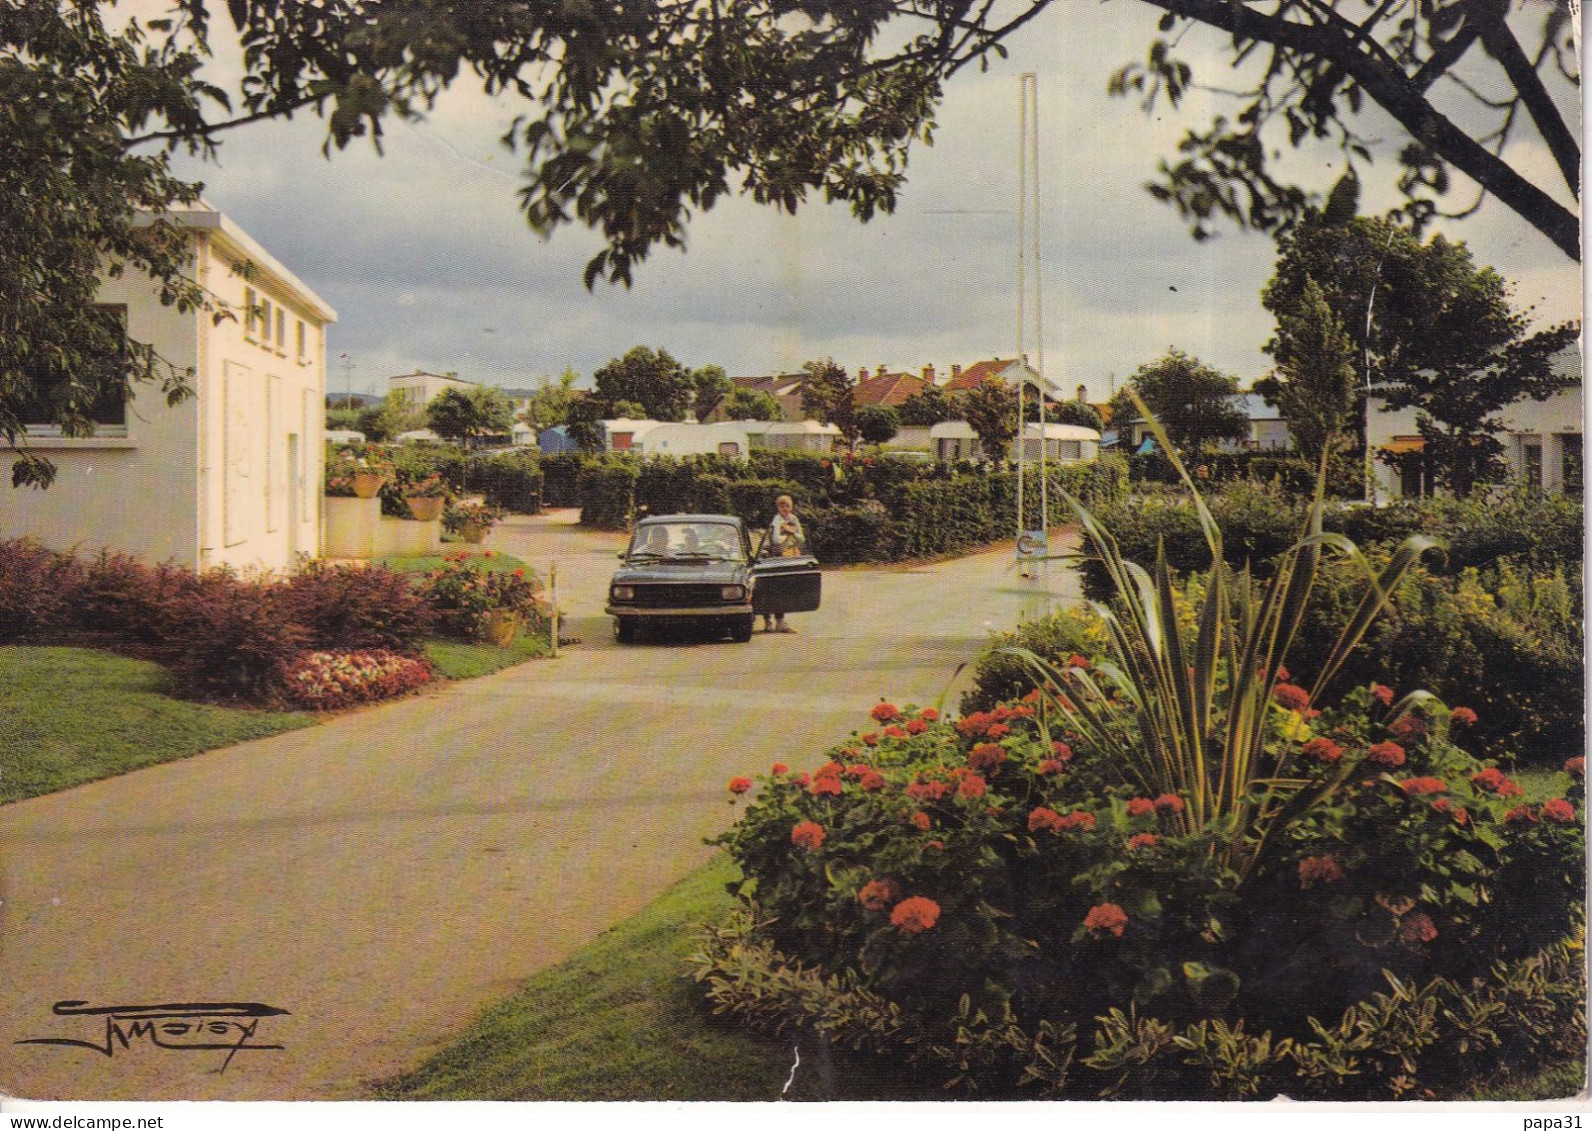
(1345, 472)
(606, 489)
(511, 480)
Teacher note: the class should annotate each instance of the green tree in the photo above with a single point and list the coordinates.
(1314, 386)
(990, 409)
(548, 405)
(389, 419)
(1079, 413)
(931, 406)
(461, 415)
(693, 102)
(710, 387)
(827, 398)
(1429, 328)
(651, 379)
(1196, 404)
(752, 404)
(878, 423)
(584, 422)
(342, 419)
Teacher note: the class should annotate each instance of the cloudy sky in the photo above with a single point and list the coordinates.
(430, 266)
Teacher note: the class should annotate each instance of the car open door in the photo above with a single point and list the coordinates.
(785, 585)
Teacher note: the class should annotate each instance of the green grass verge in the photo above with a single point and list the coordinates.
(70, 715)
(455, 659)
(1558, 1082)
(621, 1020)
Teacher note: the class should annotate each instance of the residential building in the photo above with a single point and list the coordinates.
(890, 390)
(1063, 443)
(786, 388)
(229, 476)
(1543, 444)
(416, 390)
(1009, 370)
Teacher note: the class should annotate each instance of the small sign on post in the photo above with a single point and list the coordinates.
(1031, 546)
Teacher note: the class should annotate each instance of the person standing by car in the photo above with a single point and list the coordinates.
(786, 539)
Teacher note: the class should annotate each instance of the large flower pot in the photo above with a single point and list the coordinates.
(500, 627)
(425, 509)
(367, 484)
(473, 533)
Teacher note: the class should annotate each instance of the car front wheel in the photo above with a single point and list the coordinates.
(625, 630)
(741, 629)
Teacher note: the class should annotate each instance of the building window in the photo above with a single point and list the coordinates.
(251, 314)
(301, 347)
(265, 322)
(1570, 464)
(281, 331)
(109, 409)
(1072, 449)
(1531, 453)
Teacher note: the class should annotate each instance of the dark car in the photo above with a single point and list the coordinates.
(702, 568)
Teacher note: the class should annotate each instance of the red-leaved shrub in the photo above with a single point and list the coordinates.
(349, 608)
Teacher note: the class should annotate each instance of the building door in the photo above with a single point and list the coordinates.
(295, 493)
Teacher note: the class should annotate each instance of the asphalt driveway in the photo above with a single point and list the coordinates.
(383, 877)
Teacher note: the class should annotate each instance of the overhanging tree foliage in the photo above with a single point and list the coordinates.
(641, 113)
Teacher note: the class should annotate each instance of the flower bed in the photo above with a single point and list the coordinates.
(326, 681)
(464, 594)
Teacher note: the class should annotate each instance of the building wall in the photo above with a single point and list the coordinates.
(133, 492)
(417, 390)
(1553, 426)
(263, 442)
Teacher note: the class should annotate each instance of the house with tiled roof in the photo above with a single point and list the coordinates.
(889, 389)
(786, 388)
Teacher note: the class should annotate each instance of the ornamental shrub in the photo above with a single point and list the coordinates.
(463, 594)
(606, 489)
(510, 480)
(349, 608)
(1042, 910)
(843, 535)
(35, 589)
(560, 478)
(1000, 674)
(229, 638)
(327, 681)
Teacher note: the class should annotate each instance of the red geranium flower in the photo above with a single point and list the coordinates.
(986, 755)
(884, 712)
(916, 726)
(894, 732)
(1382, 693)
(921, 820)
(808, 835)
(1282, 674)
(871, 780)
(973, 724)
(1421, 786)
(998, 730)
(1051, 766)
(1143, 840)
(1461, 816)
(1078, 820)
(1493, 781)
(779, 769)
(1322, 750)
(1389, 754)
(823, 786)
(1575, 767)
(1077, 661)
(927, 790)
(1462, 716)
(1045, 820)
(830, 769)
(1140, 807)
(971, 786)
(928, 714)
(870, 739)
(1106, 917)
(740, 785)
(939, 844)
(1291, 696)
(1559, 810)
(876, 895)
(1406, 727)
(915, 914)
(1520, 815)
(1315, 870)
(1061, 750)
(1032, 696)
(803, 778)
(1168, 803)
(1418, 928)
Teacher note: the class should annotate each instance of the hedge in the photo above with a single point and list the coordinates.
(1345, 472)
(606, 489)
(511, 480)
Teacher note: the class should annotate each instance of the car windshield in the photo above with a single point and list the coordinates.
(694, 541)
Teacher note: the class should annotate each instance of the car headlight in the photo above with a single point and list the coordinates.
(624, 593)
(733, 592)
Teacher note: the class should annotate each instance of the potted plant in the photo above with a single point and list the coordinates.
(426, 497)
(471, 521)
(358, 470)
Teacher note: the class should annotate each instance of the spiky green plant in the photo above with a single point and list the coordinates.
(1200, 721)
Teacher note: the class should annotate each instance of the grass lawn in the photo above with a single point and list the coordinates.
(456, 659)
(425, 563)
(70, 715)
(618, 1020)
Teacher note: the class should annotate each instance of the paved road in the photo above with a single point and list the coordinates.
(385, 876)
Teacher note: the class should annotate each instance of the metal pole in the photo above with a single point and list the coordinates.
(1022, 288)
(1039, 333)
(552, 596)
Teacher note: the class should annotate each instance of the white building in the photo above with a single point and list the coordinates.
(1542, 440)
(415, 390)
(229, 476)
(1063, 443)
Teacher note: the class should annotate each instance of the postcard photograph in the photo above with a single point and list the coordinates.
(792, 550)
